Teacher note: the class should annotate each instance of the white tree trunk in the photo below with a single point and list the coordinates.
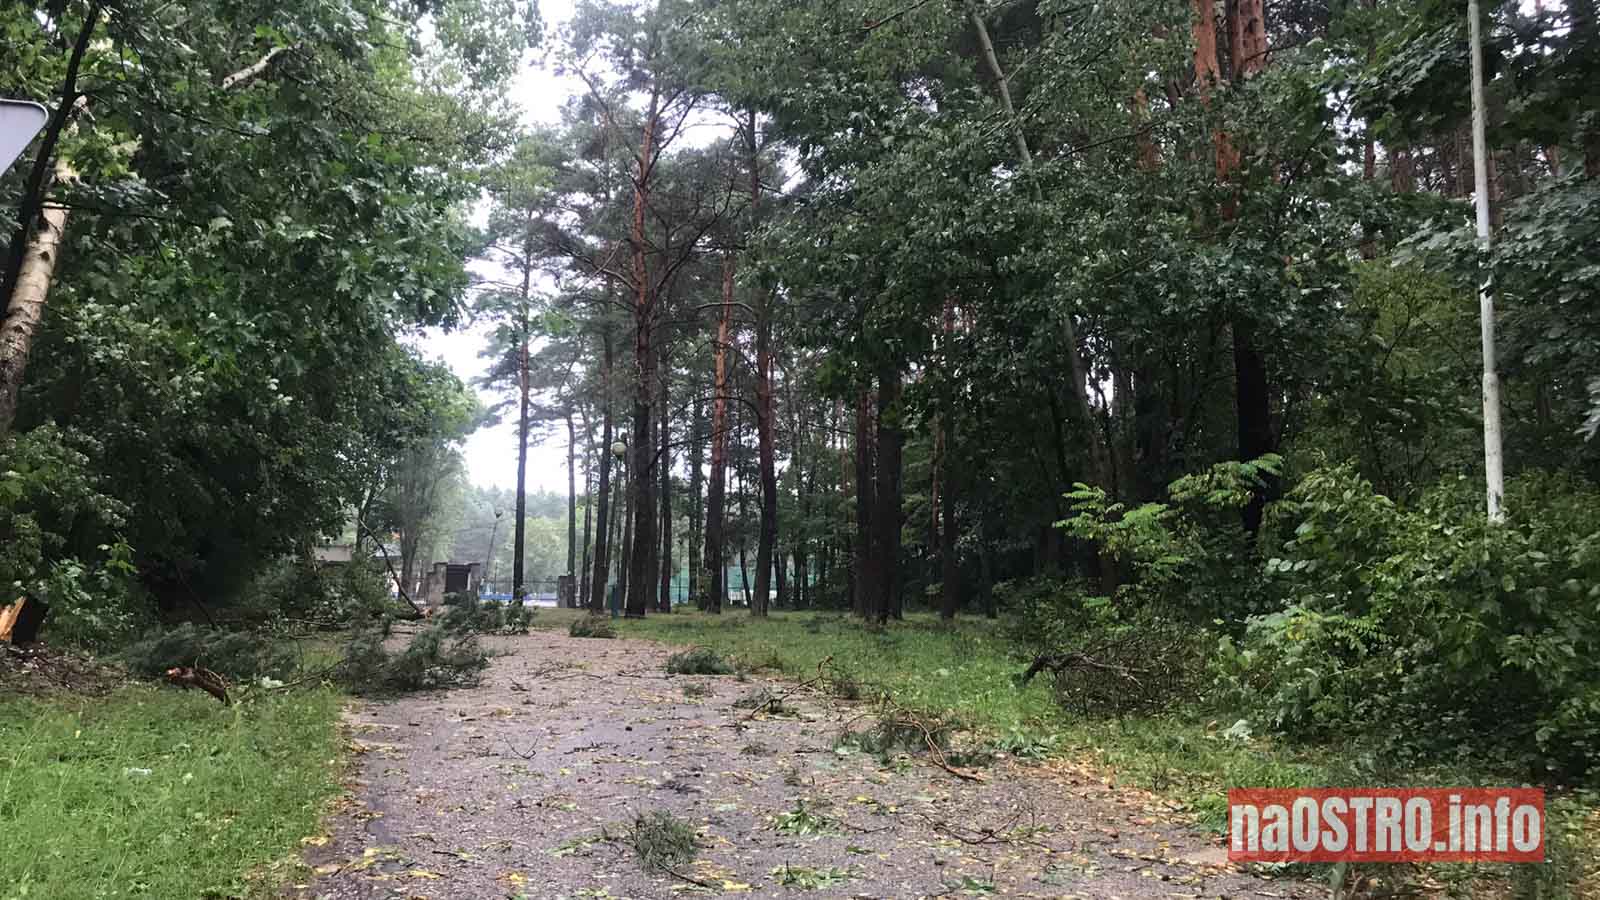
(23, 314)
(1493, 458)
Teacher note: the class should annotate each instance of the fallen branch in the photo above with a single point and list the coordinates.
(776, 700)
(204, 679)
(1059, 663)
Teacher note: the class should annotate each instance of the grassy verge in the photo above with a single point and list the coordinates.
(153, 792)
(969, 670)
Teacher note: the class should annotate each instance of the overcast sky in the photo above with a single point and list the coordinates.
(491, 453)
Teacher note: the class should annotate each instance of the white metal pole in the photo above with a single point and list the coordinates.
(1493, 455)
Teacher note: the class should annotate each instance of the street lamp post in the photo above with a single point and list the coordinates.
(489, 563)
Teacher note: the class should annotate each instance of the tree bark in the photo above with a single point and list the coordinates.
(766, 456)
(865, 570)
(715, 558)
(602, 562)
(950, 565)
(1248, 51)
(886, 514)
(641, 505)
(26, 309)
(625, 540)
(696, 490)
(664, 598)
(572, 497)
(584, 569)
(522, 451)
(35, 251)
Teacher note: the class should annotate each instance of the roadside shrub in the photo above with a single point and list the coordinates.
(433, 659)
(330, 596)
(592, 627)
(58, 539)
(518, 618)
(698, 661)
(1189, 558)
(1429, 614)
(470, 614)
(467, 614)
(238, 655)
(94, 607)
(1106, 657)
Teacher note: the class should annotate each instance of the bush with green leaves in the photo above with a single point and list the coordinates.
(59, 539)
(470, 614)
(302, 588)
(698, 661)
(1189, 558)
(1106, 657)
(592, 627)
(434, 658)
(237, 655)
(1393, 616)
(96, 607)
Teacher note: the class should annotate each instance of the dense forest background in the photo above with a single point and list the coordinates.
(1150, 326)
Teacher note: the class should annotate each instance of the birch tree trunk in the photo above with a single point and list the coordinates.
(26, 309)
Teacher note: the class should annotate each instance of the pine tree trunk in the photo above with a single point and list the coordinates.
(602, 562)
(572, 497)
(584, 570)
(886, 513)
(625, 540)
(950, 566)
(865, 569)
(715, 556)
(522, 454)
(768, 538)
(664, 598)
(1247, 49)
(641, 547)
(696, 489)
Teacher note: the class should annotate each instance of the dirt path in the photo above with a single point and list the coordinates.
(509, 790)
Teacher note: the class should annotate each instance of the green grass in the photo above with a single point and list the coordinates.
(969, 669)
(230, 792)
(964, 670)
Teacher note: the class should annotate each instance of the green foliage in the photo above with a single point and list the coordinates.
(803, 821)
(59, 538)
(661, 840)
(1429, 614)
(95, 608)
(465, 614)
(1190, 558)
(432, 659)
(223, 337)
(237, 655)
(301, 588)
(968, 671)
(698, 661)
(591, 626)
(810, 878)
(162, 793)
